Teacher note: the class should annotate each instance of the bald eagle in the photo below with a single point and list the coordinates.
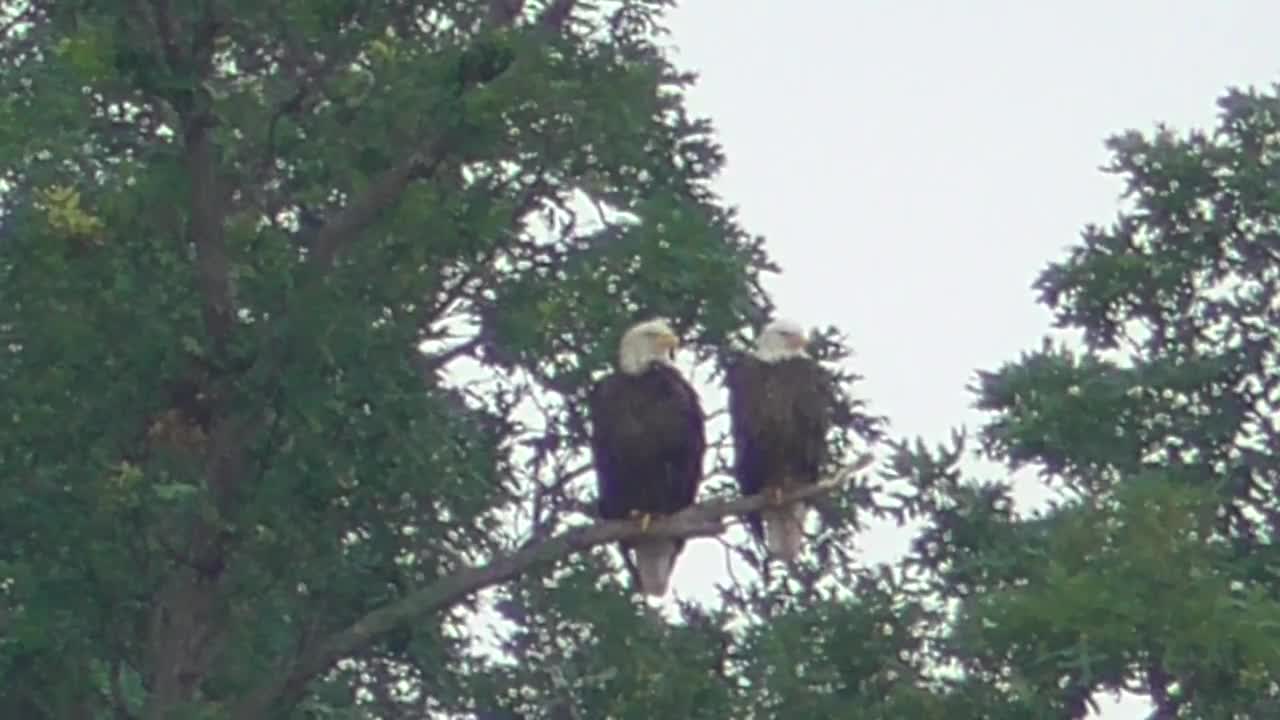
(647, 442)
(778, 415)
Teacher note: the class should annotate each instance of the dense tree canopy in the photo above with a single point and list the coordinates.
(1156, 572)
(299, 304)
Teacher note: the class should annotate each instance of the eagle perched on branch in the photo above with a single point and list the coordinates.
(648, 440)
(778, 412)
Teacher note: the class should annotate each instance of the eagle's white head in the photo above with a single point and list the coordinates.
(781, 339)
(652, 341)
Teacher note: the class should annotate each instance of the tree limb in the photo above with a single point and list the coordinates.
(701, 520)
(383, 192)
(167, 31)
(205, 231)
(556, 15)
(504, 13)
(386, 189)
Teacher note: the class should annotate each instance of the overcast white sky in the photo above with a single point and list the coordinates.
(915, 164)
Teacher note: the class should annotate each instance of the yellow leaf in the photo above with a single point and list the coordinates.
(62, 209)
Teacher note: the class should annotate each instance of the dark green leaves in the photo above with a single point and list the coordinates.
(191, 510)
(1160, 428)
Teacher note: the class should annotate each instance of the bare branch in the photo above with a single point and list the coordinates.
(702, 520)
(429, 364)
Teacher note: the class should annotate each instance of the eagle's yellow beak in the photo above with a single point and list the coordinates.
(667, 342)
(796, 341)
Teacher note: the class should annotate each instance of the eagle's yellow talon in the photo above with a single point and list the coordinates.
(646, 519)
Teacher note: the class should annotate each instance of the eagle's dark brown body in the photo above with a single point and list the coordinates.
(779, 416)
(648, 440)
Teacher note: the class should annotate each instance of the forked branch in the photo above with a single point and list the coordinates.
(702, 520)
(385, 190)
(382, 193)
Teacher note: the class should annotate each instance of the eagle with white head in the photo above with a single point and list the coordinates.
(778, 411)
(648, 440)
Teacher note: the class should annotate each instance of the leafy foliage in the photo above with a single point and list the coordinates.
(299, 303)
(1150, 574)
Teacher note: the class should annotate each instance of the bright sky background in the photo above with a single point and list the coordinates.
(915, 164)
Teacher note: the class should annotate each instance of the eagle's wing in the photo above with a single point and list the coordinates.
(687, 465)
(810, 414)
(605, 418)
(746, 395)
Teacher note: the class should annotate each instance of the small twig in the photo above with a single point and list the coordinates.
(728, 562)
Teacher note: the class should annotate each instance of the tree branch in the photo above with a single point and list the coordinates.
(702, 520)
(167, 31)
(205, 231)
(504, 13)
(556, 15)
(383, 192)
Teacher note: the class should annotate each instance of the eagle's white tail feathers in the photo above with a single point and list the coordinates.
(655, 559)
(784, 530)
